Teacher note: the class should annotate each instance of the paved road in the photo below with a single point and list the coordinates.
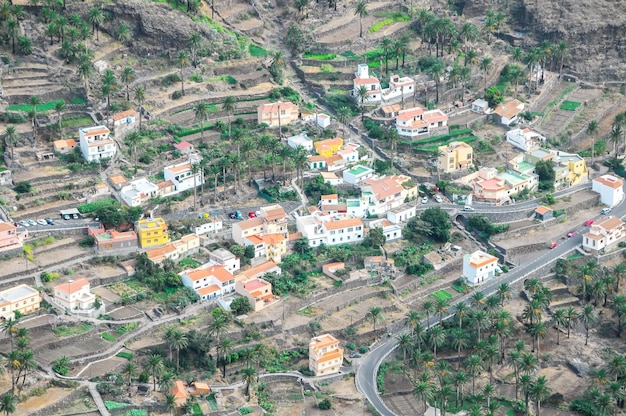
(367, 371)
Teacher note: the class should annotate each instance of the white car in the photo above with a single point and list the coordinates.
(438, 198)
(42, 222)
(425, 200)
(606, 210)
(468, 208)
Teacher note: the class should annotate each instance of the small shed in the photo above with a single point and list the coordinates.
(480, 106)
(543, 213)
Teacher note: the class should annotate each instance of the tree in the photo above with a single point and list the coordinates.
(124, 34)
(428, 307)
(486, 65)
(178, 341)
(474, 365)
(11, 137)
(85, 71)
(132, 141)
(538, 330)
(375, 314)
(439, 221)
(13, 30)
(95, 16)
(229, 105)
(130, 370)
(375, 238)
(170, 402)
(248, 374)
(539, 391)
(361, 11)
(182, 63)
(424, 389)
(437, 72)
(140, 98)
(241, 306)
(155, 366)
(201, 114)
(362, 95)
(127, 76)
(588, 316)
(109, 84)
(59, 106)
(8, 403)
(561, 52)
(559, 319)
(545, 171)
(615, 135)
(404, 343)
(442, 307)
(386, 45)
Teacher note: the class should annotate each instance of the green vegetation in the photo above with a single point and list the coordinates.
(78, 121)
(108, 337)
(484, 227)
(67, 331)
(139, 412)
(41, 108)
(319, 56)
(561, 95)
(455, 134)
(190, 263)
(114, 405)
(94, 206)
(256, 51)
(78, 101)
(398, 18)
(441, 295)
(569, 105)
(124, 354)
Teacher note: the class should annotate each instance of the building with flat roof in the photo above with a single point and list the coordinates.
(525, 139)
(357, 174)
(10, 237)
(490, 185)
(225, 258)
(325, 355)
(139, 191)
(455, 156)
(300, 140)
(108, 240)
(95, 143)
(182, 175)
(152, 232)
(21, 298)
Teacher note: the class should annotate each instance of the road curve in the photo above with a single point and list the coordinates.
(366, 373)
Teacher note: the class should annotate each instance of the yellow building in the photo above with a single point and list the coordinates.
(325, 355)
(22, 298)
(328, 147)
(152, 232)
(455, 156)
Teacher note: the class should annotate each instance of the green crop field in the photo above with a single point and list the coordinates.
(441, 294)
(41, 108)
(569, 105)
(256, 51)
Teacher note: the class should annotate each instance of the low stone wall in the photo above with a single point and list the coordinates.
(61, 404)
(418, 280)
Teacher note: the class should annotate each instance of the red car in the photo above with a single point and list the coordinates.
(251, 214)
(588, 223)
(553, 245)
(571, 234)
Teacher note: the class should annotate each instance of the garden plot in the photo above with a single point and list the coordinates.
(287, 397)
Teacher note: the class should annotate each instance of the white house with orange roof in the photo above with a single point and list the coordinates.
(272, 220)
(349, 153)
(391, 231)
(277, 114)
(362, 78)
(331, 230)
(64, 146)
(417, 122)
(387, 193)
(182, 175)
(525, 139)
(398, 87)
(325, 355)
(507, 113)
(124, 118)
(214, 280)
(317, 162)
(258, 292)
(258, 271)
(95, 143)
(225, 258)
(479, 267)
(75, 297)
(610, 188)
(604, 234)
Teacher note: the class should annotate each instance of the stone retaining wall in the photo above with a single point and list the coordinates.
(61, 404)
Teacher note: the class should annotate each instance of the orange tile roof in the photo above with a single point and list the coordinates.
(277, 212)
(208, 290)
(323, 341)
(219, 272)
(255, 239)
(509, 109)
(124, 114)
(316, 158)
(593, 236)
(542, 210)
(610, 223)
(364, 81)
(384, 187)
(259, 270)
(180, 392)
(329, 356)
(406, 115)
(273, 239)
(345, 223)
(331, 196)
(60, 144)
(254, 284)
(180, 168)
(117, 179)
(72, 287)
(6, 226)
(337, 141)
(271, 107)
(251, 223)
(295, 236)
(164, 184)
(102, 130)
(610, 181)
(159, 253)
(331, 160)
(480, 259)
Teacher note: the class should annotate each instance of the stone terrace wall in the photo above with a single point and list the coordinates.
(61, 404)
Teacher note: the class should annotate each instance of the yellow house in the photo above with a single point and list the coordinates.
(152, 232)
(328, 147)
(455, 156)
(268, 246)
(325, 355)
(22, 298)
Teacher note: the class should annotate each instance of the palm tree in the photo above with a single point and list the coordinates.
(248, 374)
(124, 35)
(195, 44)
(8, 404)
(34, 101)
(155, 366)
(362, 95)
(13, 30)
(442, 307)
(570, 315)
(460, 341)
(343, 116)
(538, 330)
(468, 33)
(429, 308)
(182, 63)
(140, 98)
(437, 71)
(401, 46)
(424, 389)
(459, 379)
(361, 11)
(461, 310)
(539, 391)
(201, 113)
(11, 137)
(85, 71)
(615, 136)
(486, 65)
(436, 337)
(130, 370)
(587, 317)
(474, 365)
(168, 337)
(559, 319)
(488, 392)
(386, 44)
(166, 381)
(127, 76)
(503, 292)
(179, 341)
(195, 168)
(132, 141)
(96, 18)
(225, 347)
(404, 343)
(59, 106)
(375, 314)
(412, 318)
(229, 105)
(170, 402)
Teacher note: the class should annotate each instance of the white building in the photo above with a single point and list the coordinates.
(349, 153)
(209, 282)
(76, 297)
(507, 113)
(321, 120)
(330, 230)
(604, 234)
(480, 106)
(398, 87)
(95, 143)
(182, 176)
(125, 118)
(362, 78)
(387, 193)
(225, 258)
(357, 207)
(401, 214)
(331, 178)
(525, 139)
(610, 188)
(391, 231)
(300, 140)
(479, 267)
(358, 174)
(415, 122)
(210, 227)
(138, 191)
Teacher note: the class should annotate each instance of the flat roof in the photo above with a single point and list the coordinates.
(18, 292)
(359, 170)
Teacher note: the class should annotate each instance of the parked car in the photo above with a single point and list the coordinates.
(425, 200)
(23, 223)
(66, 217)
(606, 210)
(468, 208)
(232, 215)
(49, 220)
(571, 234)
(251, 214)
(588, 223)
(75, 216)
(438, 198)
(31, 222)
(239, 215)
(42, 222)
(355, 355)
(553, 245)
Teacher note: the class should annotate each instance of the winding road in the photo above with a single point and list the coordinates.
(366, 373)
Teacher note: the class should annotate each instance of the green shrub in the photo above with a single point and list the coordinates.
(177, 95)
(94, 206)
(108, 337)
(23, 187)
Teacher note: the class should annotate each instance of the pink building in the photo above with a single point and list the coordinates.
(10, 239)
